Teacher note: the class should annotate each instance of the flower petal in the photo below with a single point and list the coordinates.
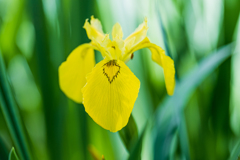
(72, 72)
(118, 42)
(113, 48)
(94, 30)
(137, 36)
(158, 55)
(117, 32)
(110, 94)
(169, 73)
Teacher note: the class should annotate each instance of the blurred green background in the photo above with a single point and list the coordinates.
(200, 121)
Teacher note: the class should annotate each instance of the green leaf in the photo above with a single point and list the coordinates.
(135, 152)
(13, 155)
(168, 115)
(129, 133)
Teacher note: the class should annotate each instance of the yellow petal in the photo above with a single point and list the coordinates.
(114, 48)
(106, 43)
(110, 94)
(72, 72)
(96, 24)
(158, 55)
(137, 36)
(169, 73)
(118, 42)
(94, 30)
(117, 32)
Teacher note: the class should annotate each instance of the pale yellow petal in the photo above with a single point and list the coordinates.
(94, 30)
(137, 36)
(118, 42)
(113, 48)
(117, 32)
(72, 72)
(106, 43)
(110, 94)
(96, 24)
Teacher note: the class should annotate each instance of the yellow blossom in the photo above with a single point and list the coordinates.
(109, 90)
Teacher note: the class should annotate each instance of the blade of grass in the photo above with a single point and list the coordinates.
(168, 114)
(13, 155)
(12, 116)
(174, 146)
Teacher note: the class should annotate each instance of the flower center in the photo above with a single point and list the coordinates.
(111, 69)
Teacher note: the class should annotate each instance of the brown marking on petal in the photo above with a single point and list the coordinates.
(111, 70)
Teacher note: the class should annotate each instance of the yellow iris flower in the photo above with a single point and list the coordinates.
(109, 90)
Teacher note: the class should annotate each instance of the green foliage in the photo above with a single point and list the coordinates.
(12, 116)
(129, 133)
(3, 150)
(171, 111)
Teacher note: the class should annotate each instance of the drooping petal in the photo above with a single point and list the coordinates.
(117, 32)
(110, 93)
(169, 73)
(158, 55)
(94, 30)
(72, 72)
(137, 36)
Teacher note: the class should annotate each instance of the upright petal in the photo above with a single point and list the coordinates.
(137, 36)
(94, 30)
(118, 42)
(72, 72)
(96, 24)
(117, 32)
(113, 48)
(110, 94)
